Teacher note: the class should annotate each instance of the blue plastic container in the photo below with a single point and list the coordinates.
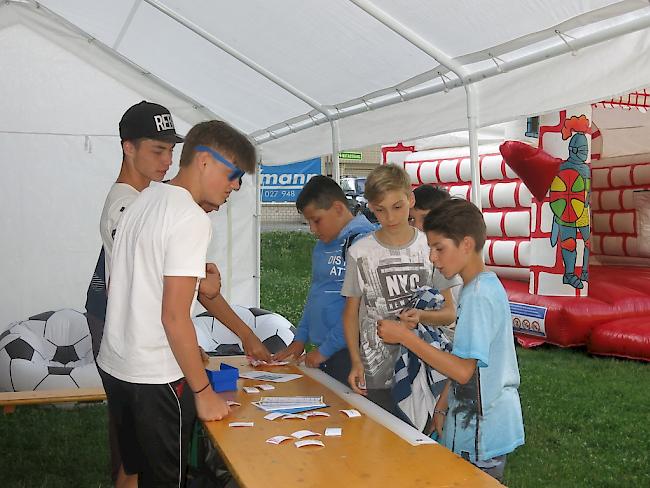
(225, 379)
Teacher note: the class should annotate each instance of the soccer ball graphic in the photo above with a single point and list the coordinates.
(273, 330)
(48, 351)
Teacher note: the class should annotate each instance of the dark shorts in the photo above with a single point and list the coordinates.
(338, 366)
(96, 327)
(383, 398)
(154, 424)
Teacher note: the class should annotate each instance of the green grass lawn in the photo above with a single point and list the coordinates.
(587, 419)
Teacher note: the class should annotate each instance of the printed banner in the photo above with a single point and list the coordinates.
(283, 183)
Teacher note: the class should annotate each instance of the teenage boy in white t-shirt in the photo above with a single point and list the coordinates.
(149, 358)
(148, 137)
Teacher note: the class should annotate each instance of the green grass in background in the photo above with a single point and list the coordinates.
(587, 419)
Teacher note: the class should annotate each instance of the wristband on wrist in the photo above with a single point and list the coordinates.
(199, 391)
(441, 412)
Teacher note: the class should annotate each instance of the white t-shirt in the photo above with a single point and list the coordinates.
(385, 278)
(162, 233)
(117, 200)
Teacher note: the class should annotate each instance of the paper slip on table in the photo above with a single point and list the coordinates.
(369, 453)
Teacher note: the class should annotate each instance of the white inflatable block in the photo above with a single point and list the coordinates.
(412, 170)
(461, 191)
(525, 197)
(427, 172)
(493, 223)
(595, 200)
(612, 245)
(595, 244)
(503, 195)
(632, 247)
(485, 195)
(641, 174)
(486, 249)
(621, 176)
(491, 168)
(517, 224)
(609, 200)
(533, 217)
(624, 223)
(510, 173)
(524, 254)
(599, 178)
(466, 169)
(628, 199)
(503, 253)
(547, 217)
(600, 222)
(519, 274)
(642, 205)
(447, 171)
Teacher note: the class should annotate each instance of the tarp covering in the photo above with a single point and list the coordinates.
(278, 71)
(334, 53)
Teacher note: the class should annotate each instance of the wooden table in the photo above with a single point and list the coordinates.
(367, 454)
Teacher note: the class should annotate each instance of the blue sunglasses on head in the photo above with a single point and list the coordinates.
(236, 173)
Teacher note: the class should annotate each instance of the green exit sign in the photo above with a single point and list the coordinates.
(351, 155)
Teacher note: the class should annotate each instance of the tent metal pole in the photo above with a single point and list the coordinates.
(384, 99)
(472, 126)
(458, 69)
(239, 56)
(258, 229)
(336, 147)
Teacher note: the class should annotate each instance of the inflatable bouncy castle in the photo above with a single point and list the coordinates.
(566, 200)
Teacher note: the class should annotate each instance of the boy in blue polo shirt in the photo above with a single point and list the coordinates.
(478, 414)
(324, 206)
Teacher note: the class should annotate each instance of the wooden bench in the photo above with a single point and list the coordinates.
(9, 400)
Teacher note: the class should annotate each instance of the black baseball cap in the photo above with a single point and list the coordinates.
(150, 121)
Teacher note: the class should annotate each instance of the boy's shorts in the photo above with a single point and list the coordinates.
(154, 424)
(338, 366)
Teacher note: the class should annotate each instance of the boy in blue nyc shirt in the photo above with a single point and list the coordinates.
(324, 206)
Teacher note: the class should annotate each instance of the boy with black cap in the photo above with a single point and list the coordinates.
(148, 137)
(149, 358)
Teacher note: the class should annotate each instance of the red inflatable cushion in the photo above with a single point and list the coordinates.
(628, 338)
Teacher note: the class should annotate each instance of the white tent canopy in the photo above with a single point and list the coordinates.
(270, 67)
(294, 75)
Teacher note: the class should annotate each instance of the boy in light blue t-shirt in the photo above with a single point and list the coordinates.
(478, 415)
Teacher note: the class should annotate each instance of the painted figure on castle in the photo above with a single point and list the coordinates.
(569, 200)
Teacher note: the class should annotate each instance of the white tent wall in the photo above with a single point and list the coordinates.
(59, 155)
(273, 68)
